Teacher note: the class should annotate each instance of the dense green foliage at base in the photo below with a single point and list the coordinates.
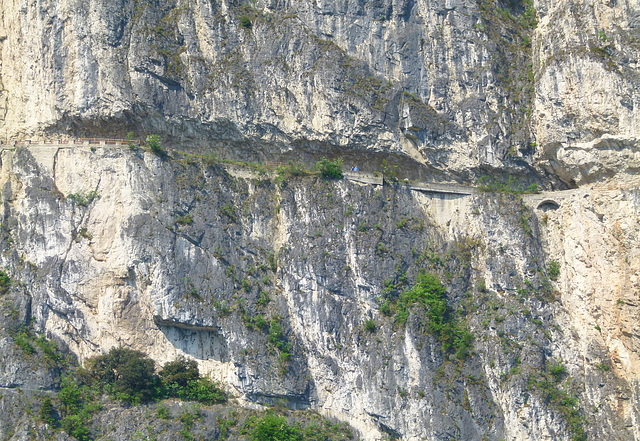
(128, 375)
(272, 427)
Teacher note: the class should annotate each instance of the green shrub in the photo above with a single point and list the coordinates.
(153, 142)
(604, 367)
(290, 170)
(22, 340)
(76, 426)
(131, 138)
(46, 412)
(188, 418)
(245, 22)
(554, 270)
(180, 372)
(370, 326)
(77, 406)
(124, 373)
(163, 412)
(389, 171)
(187, 219)
(181, 379)
(229, 211)
(84, 199)
(440, 320)
(5, 282)
(273, 428)
(260, 322)
(273, 262)
(225, 426)
(557, 371)
(329, 169)
(278, 340)
(263, 298)
(50, 351)
(203, 390)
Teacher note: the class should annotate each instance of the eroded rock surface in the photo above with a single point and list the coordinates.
(178, 256)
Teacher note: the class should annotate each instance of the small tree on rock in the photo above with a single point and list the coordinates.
(125, 373)
(180, 371)
(330, 169)
(153, 141)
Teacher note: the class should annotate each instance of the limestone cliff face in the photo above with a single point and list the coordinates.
(586, 58)
(187, 255)
(180, 256)
(455, 84)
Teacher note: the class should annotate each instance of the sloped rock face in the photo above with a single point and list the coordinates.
(270, 288)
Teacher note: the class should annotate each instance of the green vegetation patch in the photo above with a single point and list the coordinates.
(273, 427)
(429, 293)
(491, 184)
(84, 199)
(554, 270)
(129, 376)
(278, 340)
(330, 169)
(153, 142)
(552, 384)
(5, 282)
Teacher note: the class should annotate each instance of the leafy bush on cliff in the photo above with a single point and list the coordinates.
(440, 318)
(179, 372)
(77, 405)
(84, 199)
(554, 270)
(273, 428)
(153, 142)
(129, 376)
(181, 379)
(5, 282)
(124, 373)
(329, 169)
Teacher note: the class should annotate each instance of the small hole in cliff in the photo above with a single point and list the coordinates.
(548, 205)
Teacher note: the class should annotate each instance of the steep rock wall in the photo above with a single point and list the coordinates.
(178, 256)
(586, 58)
(444, 82)
(460, 85)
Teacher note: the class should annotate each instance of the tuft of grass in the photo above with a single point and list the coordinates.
(370, 326)
(163, 412)
(187, 219)
(554, 270)
(245, 22)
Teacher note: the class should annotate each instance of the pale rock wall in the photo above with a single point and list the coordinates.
(586, 57)
(139, 278)
(414, 77)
